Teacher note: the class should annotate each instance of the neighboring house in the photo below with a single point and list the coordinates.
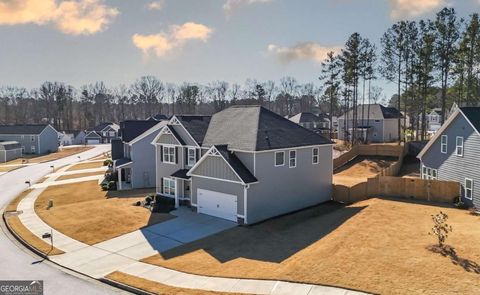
(157, 117)
(434, 119)
(134, 155)
(102, 133)
(379, 124)
(453, 153)
(249, 165)
(80, 137)
(178, 147)
(33, 138)
(319, 124)
(10, 150)
(67, 137)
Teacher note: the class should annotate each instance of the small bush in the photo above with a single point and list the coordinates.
(107, 162)
(440, 227)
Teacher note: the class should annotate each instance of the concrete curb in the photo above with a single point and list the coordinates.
(125, 287)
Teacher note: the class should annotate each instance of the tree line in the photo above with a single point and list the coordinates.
(433, 62)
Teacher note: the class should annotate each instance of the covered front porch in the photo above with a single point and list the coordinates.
(124, 173)
(177, 186)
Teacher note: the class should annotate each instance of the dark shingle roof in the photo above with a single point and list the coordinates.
(377, 112)
(22, 129)
(236, 164)
(133, 128)
(157, 117)
(122, 161)
(176, 135)
(196, 125)
(254, 128)
(473, 115)
(100, 126)
(182, 173)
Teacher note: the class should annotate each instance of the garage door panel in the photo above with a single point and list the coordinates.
(93, 141)
(217, 204)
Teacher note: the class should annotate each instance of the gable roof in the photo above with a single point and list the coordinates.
(154, 128)
(157, 117)
(30, 129)
(167, 129)
(471, 114)
(196, 125)
(377, 112)
(231, 159)
(130, 129)
(305, 117)
(254, 128)
(103, 125)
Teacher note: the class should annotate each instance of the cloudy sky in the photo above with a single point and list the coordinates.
(116, 41)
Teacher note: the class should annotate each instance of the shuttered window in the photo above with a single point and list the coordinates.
(169, 154)
(192, 156)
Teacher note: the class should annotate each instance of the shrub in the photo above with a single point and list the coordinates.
(107, 162)
(440, 227)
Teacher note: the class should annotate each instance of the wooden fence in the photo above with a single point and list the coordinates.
(369, 150)
(389, 186)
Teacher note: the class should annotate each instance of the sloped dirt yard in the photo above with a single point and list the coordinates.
(361, 168)
(377, 246)
(86, 213)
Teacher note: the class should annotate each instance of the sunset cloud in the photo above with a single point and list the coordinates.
(231, 6)
(163, 43)
(302, 51)
(413, 8)
(80, 17)
(155, 5)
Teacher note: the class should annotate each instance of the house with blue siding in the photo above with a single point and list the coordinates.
(453, 154)
(246, 164)
(33, 138)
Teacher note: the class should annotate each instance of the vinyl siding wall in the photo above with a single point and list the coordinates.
(375, 135)
(26, 141)
(216, 167)
(142, 154)
(48, 140)
(9, 155)
(282, 189)
(455, 168)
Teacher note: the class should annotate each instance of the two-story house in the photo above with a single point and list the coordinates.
(102, 133)
(33, 138)
(453, 153)
(252, 164)
(132, 153)
(317, 123)
(434, 119)
(375, 123)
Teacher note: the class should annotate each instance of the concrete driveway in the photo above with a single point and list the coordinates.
(187, 227)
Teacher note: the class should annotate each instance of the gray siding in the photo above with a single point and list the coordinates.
(48, 140)
(218, 186)
(9, 155)
(375, 135)
(390, 128)
(166, 169)
(26, 141)
(216, 167)
(455, 168)
(282, 189)
(142, 154)
(168, 139)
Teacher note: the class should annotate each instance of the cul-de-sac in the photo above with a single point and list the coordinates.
(239, 147)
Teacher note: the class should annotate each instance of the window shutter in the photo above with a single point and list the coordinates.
(161, 185)
(161, 154)
(186, 156)
(197, 151)
(176, 154)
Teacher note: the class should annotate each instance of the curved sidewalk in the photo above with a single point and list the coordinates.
(97, 262)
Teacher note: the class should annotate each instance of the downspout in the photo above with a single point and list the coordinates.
(245, 203)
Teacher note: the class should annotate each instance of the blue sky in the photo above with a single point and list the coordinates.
(82, 41)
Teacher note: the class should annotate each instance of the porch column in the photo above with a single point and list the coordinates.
(120, 179)
(177, 201)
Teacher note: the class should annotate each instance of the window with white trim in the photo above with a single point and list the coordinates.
(429, 173)
(469, 188)
(443, 144)
(315, 155)
(111, 133)
(32, 149)
(169, 186)
(169, 154)
(192, 156)
(279, 158)
(459, 148)
(32, 138)
(292, 162)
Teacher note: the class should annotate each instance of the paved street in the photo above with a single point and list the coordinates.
(19, 264)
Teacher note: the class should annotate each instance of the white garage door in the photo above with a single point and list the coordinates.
(93, 141)
(217, 204)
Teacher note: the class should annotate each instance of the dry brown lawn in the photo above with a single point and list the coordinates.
(65, 177)
(361, 168)
(16, 225)
(82, 166)
(377, 246)
(86, 213)
(154, 287)
(8, 168)
(62, 153)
